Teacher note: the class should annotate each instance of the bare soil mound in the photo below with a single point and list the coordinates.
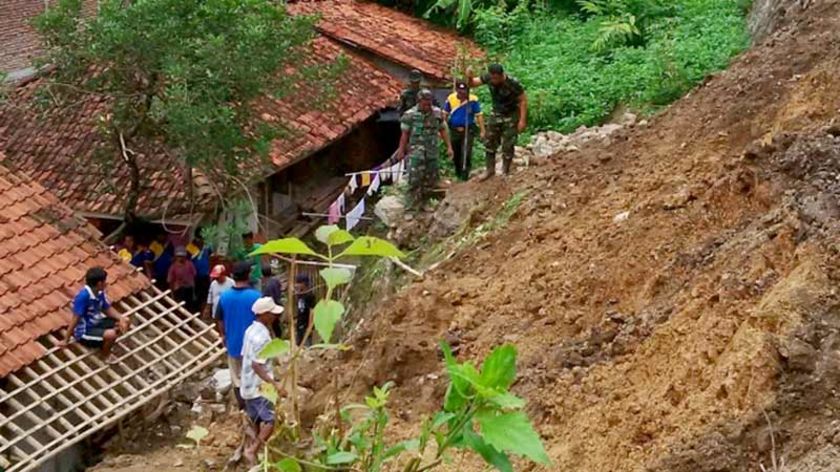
(665, 289)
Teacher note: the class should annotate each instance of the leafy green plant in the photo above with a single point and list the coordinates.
(183, 72)
(339, 244)
(479, 414)
(570, 84)
(622, 22)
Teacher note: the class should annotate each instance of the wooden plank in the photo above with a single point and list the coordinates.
(26, 409)
(29, 384)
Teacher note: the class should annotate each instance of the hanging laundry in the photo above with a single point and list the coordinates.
(374, 186)
(365, 179)
(340, 202)
(398, 170)
(385, 175)
(353, 185)
(333, 215)
(355, 215)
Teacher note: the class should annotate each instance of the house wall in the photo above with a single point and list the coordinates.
(316, 178)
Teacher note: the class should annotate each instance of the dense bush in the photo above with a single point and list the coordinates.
(571, 83)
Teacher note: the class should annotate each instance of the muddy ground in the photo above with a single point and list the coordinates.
(673, 292)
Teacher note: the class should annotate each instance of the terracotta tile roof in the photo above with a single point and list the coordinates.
(61, 148)
(44, 253)
(400, 38)
(19, 42)
(362, 90)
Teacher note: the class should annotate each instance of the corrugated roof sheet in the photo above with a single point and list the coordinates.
(44, 253)
(388, 33)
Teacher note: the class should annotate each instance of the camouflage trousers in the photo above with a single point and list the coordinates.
(501, 130)
(422, 174)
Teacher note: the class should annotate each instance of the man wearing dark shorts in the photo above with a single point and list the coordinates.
(95, 323)
(256, 371)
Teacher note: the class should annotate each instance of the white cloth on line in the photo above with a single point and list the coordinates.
(340, 201)
(353, 185)
(355, 215)
(374, 186)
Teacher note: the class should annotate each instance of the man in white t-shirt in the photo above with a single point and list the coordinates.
(255, 371)
(221, 282)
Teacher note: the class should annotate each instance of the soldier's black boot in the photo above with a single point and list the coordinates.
(491, 168)
(506, 166)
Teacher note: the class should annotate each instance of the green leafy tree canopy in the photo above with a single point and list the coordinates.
(181, 71)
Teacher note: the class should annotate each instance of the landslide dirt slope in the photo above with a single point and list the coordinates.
(656, 341)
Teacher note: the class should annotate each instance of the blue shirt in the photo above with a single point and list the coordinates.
(201, 261)
(235, 313)
(458, 110)
(139, 259)
(90, 308)
(163, 262)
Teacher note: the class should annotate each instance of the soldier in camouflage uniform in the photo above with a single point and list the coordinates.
(422, 127)
(408, 97)
(510, 111)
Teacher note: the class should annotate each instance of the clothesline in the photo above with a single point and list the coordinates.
(378, 171)
(324, 215)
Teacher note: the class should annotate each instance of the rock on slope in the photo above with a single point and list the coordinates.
(654, 341)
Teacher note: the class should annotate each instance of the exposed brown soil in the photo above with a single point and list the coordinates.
(656, 342)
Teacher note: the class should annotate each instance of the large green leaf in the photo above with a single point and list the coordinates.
(499, 369)
(285, 246)
(497, 459)
(507, 401)
(339, 237)
(511, 432)
(268, 392)
(327, 314)
(341, 457)
(335, 276)
(323, 233)
(288, 465)
(459, 388)
(275, 348)
(371, 246)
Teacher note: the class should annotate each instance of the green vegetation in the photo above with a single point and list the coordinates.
(180, 71)
(581, 60)
(479, 412)
(578, 71)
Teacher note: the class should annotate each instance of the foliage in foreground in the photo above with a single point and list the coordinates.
(479, 412)
(572, 81)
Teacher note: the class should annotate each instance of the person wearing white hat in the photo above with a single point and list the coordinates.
(256, 371)
(220, 283)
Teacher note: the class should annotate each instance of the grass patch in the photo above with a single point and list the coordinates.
(571, 84)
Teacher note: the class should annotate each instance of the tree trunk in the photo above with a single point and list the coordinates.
(133, 196)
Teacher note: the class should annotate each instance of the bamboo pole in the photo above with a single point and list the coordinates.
(150, 393)
(57, 348)
(70, 385)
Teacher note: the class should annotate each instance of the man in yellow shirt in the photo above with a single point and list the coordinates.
(463, 112)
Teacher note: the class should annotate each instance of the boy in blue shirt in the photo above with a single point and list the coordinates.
(95, 323)
(233, 317)
(463, 112)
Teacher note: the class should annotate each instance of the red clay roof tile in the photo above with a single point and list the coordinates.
(388, 33)
(39, 275)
